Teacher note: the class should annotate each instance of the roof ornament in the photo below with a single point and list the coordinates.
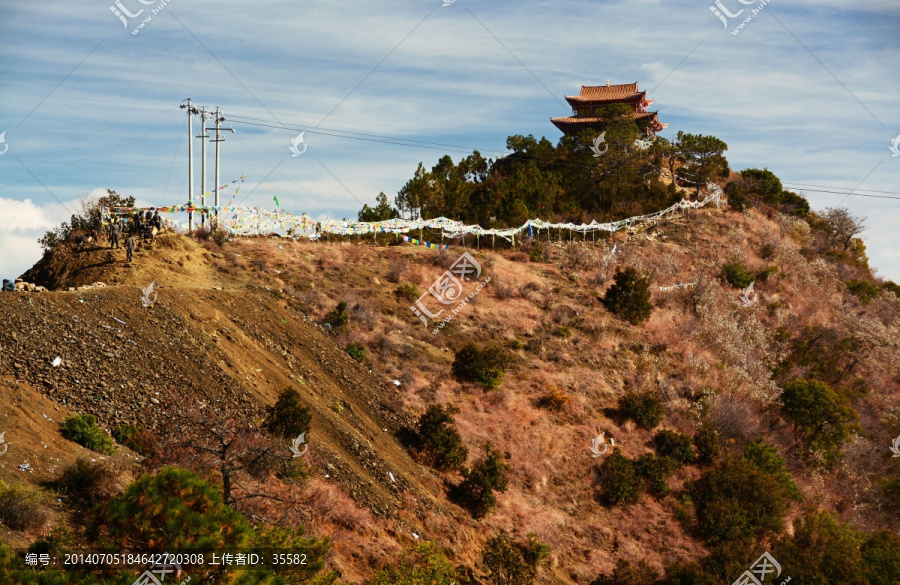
(607, 82)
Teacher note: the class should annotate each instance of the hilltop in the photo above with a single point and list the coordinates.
(236, 323)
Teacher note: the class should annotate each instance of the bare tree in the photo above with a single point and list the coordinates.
(841, 227)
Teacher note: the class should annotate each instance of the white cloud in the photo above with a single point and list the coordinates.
(23, 223)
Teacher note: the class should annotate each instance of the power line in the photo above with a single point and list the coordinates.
(802, 185)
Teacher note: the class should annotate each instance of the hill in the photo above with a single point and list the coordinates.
(235, 324)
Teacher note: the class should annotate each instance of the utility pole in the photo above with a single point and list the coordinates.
(204, 115)
(219, 119)
(191, 110)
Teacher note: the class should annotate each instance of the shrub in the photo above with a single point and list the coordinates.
(555, 399)
(410, 292)
(865, 291)
(563, 332)
(287, 417)
(87, 481)
(619, 479)
(735, 274)
(485, 366)
(881, 555)
(21, 507)
(764, 274)
(425, 563)
(357, 351)
(823, 550)
(674, 445)
(892, 287)
(623, 574)
(57, 542)
(504, 563)
(644, 408)
(654, 473)
(476, 492)
(629, 296)
(535, 551)
(706, 443)
(83, 429)
(826, 418)
(135, 438)
(516, 344)
(438, 440)
(734, 500)
(338, 317)
(765, 458)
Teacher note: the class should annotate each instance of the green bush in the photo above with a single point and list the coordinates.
(765, 458)
(826, 418)
(629, 296)
(438, 440)
(83, 429)
(288, 418)
(338, 317)
(21, 507)
(892, 287)
(619, 479)
(706, 442)
(623, 574)
(357, 351)
(674, 445)
(505, 564)
(135, 438)
(476, 492)
(87, 481)
(654, 473)
(563, 332)
(644, 408)
(823, 550)
(764, 274)
(425, 563)
(735, 274)
(881, 555)
(865, 291)
(484, 366)
(734, 501)
(410, 292)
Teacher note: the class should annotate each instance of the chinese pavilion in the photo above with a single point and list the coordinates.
(587, 105)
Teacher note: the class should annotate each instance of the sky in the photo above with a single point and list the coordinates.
(90, 102)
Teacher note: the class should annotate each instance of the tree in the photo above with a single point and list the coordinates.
(504, 563)
(288, 417)
(629, 296)
(88, 219)
(485, 366)
(438, 439)
(645, 408)
(703, 158)
(675, 445)
(826, 418)
(382, 212)
(476, 492)
(841, 227)
(881, 554)
(619, 479)
(765, 458)
(425, 563)
(822, 551)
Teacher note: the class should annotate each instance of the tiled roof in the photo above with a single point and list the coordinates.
(603, 93)
(593, 120)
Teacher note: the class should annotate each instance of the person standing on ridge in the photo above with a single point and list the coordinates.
(114, 234)
(129, 247)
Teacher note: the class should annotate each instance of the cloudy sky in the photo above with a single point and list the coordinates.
(88, 101)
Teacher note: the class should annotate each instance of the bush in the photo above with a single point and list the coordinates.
(563, 332)
(485, 366)
(674, 445)
(643, 408)
(734, 501)
(765, 458)
(881, 555)
(892, 287)
(87, 481)
(410, 292)
(425, 563)
(554, 400)
(619, 479)
(826, 418)
(476, 492)
(735, 274)
(823, 550)
(654, 473)
(438, 440)
(706, 442)
(21, 507)
(83, 429)
(623, 574)
(338, 317)
(863, 290)
(287, 417)
(764, 274)
(135, 438)
(504, 563)
(357, 351)
(629, 296)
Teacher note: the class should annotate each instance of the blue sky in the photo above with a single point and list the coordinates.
(808, 89)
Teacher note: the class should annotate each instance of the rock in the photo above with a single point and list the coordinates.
(109, 355)
(154, 400)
